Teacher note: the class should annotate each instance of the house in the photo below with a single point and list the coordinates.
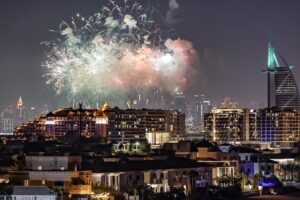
(61, 172)
(258, 165)
(160, 174)
(32, 193)
(224, 164)
(244, 153)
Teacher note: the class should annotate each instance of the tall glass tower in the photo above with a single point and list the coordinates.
(282, 88)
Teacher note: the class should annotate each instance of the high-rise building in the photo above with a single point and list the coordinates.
(7, 121)
(134, 124)
(227, 103)
(19, 103)
(275, 125)
(205, 107)
(180, 102)
(282, 88)
(270, 125)
(195, 109)
(20, 112)
(229, 125)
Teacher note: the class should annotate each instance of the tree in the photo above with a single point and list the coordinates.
(176, 193)
(98, 189)
(173, 194)
(256, 179)
(5, 187)
(145, 148)
(193, 175)
(146, 192)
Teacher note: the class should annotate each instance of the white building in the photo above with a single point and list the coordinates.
(33, 193)
(46, 162)
(158, 138)
(52, 162)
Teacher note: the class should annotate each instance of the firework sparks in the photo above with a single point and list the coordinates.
(115, 54)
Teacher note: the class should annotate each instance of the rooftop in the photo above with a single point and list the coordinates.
(243, 150)
(129, 165)
(32, 190)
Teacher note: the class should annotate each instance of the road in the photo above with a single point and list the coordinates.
(288, 196)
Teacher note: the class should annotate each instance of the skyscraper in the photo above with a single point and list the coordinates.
(282, 88)
(20, 114)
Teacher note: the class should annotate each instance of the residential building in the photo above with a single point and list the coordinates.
(229, 125)
(32, 192)
(113, 124)
(44, 162)
(160, 174)
(224, 164)
(278, 126)
(57, 172)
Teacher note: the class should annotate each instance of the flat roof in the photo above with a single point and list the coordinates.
(32, 190)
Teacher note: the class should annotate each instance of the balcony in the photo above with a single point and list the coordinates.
(80, 189)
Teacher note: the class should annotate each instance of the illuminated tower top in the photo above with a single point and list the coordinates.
(272, 58)
(19, 103)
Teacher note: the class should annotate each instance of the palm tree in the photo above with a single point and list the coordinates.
(193, 175)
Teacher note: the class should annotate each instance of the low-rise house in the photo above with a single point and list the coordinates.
(58, 172)
(285, 167)
(258, 165)
(244, 153)
(32, 192)
(47, 162)
(73, 182)
(159, 174)
(224, 164)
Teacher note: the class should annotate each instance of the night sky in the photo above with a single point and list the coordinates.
(231, 37)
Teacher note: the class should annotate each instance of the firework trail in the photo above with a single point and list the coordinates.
(116, 55)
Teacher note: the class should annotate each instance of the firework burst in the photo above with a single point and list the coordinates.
(116, 55)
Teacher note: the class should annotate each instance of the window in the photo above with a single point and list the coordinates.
(161, 175)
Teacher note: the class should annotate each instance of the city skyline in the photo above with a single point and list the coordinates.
(228, 66)
(149, 99)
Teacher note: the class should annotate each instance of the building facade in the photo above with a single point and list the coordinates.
(113, 124)
(161, 175)
(32, 192)
(229, 125)
(131, 124)
(274, 125)
(282, 88)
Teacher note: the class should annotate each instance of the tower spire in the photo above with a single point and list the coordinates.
(19, 103)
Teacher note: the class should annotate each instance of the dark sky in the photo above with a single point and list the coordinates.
(231, 37)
